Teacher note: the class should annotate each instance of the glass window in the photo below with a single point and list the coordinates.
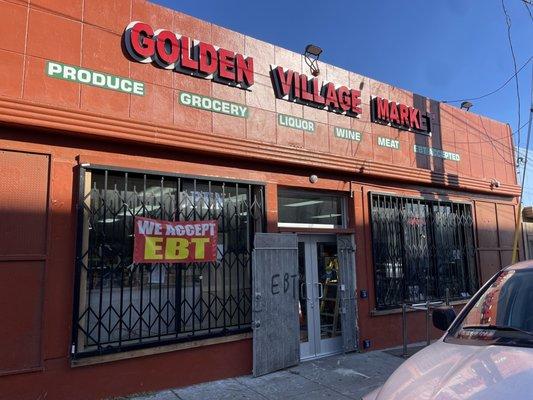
(422, 250)
(503, 313)
(310, 209)
(122, 305)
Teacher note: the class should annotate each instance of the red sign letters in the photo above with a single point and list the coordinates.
(183, 54)
(292, 86)
(399, 115)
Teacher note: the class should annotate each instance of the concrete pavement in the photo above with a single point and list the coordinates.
(347, 376)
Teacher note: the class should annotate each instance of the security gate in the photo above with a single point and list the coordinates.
(346, 254)
(276, 342)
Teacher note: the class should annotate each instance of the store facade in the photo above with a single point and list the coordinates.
(376, 197)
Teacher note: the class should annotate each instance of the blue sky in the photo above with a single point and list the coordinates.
(446, 50)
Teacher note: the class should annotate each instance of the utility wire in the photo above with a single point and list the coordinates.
(494, 140)
(517, 229)
(495, 90)
(508, 22)
(527, 4)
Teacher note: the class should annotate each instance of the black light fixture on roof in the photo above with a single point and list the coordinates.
(311, 54)
(465, 105)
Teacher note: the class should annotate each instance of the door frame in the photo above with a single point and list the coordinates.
(315, 347)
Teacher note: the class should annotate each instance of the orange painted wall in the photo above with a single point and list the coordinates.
(53, 374)
(88, 33)
(73, 123)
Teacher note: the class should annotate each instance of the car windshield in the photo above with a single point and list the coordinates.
(502, 315)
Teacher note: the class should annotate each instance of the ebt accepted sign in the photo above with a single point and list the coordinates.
(157, 241)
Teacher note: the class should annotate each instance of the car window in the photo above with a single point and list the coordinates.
(503, 314)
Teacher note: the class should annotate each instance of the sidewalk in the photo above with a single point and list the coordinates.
(338, 377)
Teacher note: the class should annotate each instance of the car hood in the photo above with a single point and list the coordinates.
(445, 371)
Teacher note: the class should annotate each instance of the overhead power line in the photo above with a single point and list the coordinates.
(495, 90)
(527, 4)
(526, 157)
(508, 22)
(489, 140)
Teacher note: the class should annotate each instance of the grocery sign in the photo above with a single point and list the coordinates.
(172, 51)
(157, 241)
(183, 54)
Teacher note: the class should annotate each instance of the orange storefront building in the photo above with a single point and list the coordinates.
(115, 110)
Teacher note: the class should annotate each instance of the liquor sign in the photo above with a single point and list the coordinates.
(183, 54)
(400, 116)
(294, 87)
(157, 241)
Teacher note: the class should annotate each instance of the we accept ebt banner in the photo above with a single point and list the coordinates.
(174, 241)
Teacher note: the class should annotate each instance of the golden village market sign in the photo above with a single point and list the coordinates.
(183, 54)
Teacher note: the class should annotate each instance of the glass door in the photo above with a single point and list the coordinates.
(320, 320)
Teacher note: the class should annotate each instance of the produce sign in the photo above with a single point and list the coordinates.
(174, 241)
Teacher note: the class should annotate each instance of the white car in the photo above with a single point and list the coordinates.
(486, 353)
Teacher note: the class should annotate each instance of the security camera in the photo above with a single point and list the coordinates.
(494, 183)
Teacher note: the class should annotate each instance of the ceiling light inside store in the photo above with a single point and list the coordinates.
(304, 203)
(326, 216)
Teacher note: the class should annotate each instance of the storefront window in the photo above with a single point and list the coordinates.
(310, 209)
(124, 305)
(422, 249)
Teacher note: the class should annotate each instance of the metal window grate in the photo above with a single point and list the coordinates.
(121, 305)
(422, 249)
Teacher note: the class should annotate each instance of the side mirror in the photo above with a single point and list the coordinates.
(443, 317)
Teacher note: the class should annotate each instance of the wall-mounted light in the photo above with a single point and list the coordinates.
(311, 54)
(466, 105)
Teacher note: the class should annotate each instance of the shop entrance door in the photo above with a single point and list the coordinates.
(320, 308)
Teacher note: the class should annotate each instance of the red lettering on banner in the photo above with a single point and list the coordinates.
(167, 48)
(226, 64)
(297, 87)
(382, 106)
(285, 80)
(245, 69)
(343, 94)
(393, 112)
(208, 58)
(404, 114)
(398, 115)
(186, 48)
(139, 41)
(297, 90)
(414, 118)
(304, 84)
(182, 54)
(317, 98)
(331, 96)
(356, 101)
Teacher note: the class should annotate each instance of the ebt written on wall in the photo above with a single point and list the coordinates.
(159, 241)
